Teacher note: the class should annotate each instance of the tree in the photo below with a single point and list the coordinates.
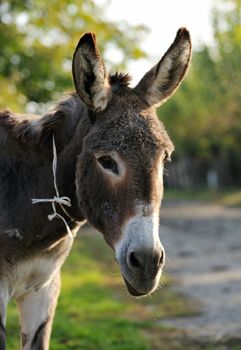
(37, 42)
(204, 117)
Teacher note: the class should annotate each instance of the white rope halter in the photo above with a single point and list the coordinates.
(62, 201)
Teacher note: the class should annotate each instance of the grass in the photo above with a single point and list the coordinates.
(95, 311)
(230, 197)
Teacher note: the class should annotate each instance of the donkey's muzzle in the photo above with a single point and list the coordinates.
(143, 270)
(132, 290)
(140, 254)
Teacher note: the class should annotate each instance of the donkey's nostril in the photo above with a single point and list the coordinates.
(146, 260)
(161, 258)
(134, 260)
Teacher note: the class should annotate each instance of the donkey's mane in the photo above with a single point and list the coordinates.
(120, 79)
(32, 129)
(27, 128)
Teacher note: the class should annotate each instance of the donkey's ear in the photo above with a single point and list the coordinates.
(89, 73)
(163, 79)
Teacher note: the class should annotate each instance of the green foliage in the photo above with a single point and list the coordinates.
(37, 43)
(204, 117)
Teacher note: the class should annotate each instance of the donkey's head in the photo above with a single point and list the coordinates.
(119, 174)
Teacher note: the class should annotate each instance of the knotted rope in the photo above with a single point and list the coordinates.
(62, 201)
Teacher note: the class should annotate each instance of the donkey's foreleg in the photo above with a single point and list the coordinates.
(4, 298)
(36, 315)
(2, 336)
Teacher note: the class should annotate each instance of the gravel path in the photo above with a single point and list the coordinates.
(203, 246)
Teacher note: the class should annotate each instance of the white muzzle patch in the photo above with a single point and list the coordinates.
(140, 253)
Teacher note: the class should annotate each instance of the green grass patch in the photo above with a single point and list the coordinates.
(230, 197)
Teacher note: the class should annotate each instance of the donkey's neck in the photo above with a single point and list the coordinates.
(69, 124)
(30, 173)
(68, 155)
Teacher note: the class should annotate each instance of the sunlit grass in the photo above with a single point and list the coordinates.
(229, 197)
(232, 199)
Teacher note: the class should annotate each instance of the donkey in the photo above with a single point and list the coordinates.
(103, 149)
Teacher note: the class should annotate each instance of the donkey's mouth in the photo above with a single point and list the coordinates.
(132, 290)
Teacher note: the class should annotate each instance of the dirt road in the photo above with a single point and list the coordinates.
(203, 246)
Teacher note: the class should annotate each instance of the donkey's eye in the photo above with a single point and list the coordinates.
(166, 157)
(108, 163)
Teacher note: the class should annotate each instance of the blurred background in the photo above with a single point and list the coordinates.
(203, 118)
